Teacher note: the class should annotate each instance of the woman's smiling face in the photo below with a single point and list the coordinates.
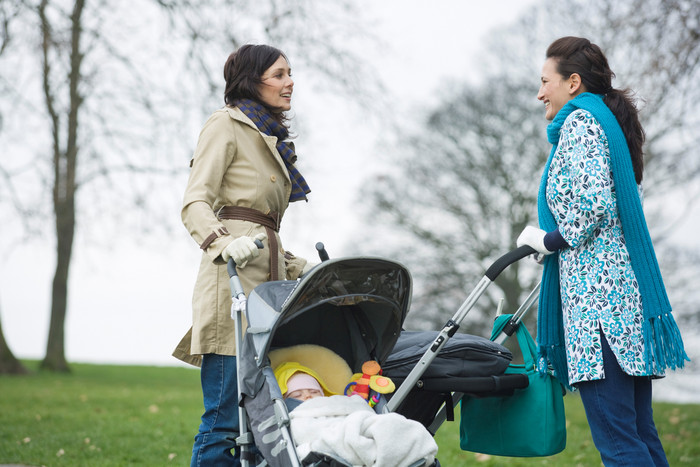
(555, 91)
(277, 86)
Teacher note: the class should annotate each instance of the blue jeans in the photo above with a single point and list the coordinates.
(219, 428)
(620, 415)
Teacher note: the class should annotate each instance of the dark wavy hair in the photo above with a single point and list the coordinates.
(243, 72)
(581, 56)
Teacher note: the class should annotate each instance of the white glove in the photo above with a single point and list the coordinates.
(307, 267)
(243, 249)
(533, 237)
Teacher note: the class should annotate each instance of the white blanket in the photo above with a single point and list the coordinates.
(348, 428)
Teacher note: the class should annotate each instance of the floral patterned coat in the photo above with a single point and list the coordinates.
(600, 294)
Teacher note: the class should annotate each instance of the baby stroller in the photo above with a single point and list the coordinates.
(353, 306)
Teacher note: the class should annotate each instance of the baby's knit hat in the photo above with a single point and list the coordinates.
(287, 371)
(301, 380)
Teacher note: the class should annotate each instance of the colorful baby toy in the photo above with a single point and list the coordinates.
(370, 379)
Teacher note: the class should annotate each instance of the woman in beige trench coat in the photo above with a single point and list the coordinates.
(241, 182)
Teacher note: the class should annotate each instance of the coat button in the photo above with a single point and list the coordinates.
(273, 178)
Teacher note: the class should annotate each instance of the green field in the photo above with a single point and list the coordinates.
(109, 415)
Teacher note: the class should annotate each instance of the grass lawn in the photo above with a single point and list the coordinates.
(109, 415)
(678, 426)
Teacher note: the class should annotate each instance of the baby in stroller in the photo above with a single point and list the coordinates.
(326, 421)
(301, 386)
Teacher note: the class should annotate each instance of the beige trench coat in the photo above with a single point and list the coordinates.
(234, 165)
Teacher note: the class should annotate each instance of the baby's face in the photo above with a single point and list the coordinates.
(304, 394)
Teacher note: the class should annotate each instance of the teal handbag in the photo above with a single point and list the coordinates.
(529, 423)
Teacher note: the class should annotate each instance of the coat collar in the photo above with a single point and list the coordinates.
(271, 141)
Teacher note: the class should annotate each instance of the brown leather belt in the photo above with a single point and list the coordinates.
(270, 221)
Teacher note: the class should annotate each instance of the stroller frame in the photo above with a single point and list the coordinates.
(238, 305)
(245, 439)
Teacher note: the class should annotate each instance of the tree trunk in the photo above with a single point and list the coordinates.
(9, 365)
(55, 358)
(65, 186)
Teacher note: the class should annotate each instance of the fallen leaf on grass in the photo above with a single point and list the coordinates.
(60, 453)
(26, 440)
(675, 416)
(171, 456)
(153, 408)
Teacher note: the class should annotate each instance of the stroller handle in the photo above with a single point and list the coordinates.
(322, 253)
(231, 265)
(506, 260)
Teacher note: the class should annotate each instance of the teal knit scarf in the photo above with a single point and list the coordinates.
(663, 345)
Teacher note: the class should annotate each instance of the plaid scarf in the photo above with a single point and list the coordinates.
(267, 125)
(663, 344)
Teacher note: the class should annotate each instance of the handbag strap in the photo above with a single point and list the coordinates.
(525, 341)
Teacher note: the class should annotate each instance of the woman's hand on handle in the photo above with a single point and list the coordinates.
(534, 238)
(243, 249)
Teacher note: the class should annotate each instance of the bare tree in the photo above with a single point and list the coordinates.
(465, 186)
(460, 194)
(9, 364)
(65, 158)
(117, 88)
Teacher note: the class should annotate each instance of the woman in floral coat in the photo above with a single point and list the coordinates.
(604, 323)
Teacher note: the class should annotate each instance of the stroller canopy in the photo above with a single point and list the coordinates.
(352, 306)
